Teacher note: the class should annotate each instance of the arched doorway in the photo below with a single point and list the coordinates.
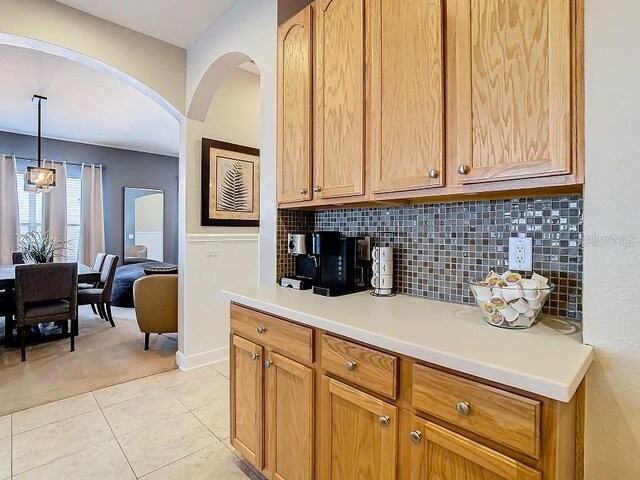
(39, 45)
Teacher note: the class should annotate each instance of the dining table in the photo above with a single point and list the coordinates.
(8, 282)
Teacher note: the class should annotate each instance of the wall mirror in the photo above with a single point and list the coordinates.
(143, 225)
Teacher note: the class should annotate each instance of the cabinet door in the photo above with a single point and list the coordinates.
(359, 436)
(405, 130)
(437, 453)
(340, 95)
(289, 418)
(294, 108)
(246, 400)
(509, 84)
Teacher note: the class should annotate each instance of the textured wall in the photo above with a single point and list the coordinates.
(124, 168)
(440, 247)
(612, 239)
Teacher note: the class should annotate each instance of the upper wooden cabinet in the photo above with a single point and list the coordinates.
(509, 89)
(294, 108)
(422, 98)
(339, 161)
(405, 129)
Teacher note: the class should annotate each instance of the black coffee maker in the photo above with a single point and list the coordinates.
(342, 264)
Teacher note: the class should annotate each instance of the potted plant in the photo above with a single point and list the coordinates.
(39, 247)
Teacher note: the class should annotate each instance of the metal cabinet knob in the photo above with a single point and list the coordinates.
(261, 329)
(384, 421)
(433, 173)
(463, 169)
(351, 366)
(316, 188)
(416, 436)
(255, 356)
(268, 363)
(463, 408)
(303, 191)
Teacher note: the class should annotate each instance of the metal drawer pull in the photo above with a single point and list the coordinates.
(384, 421)
(351, 366)
(255, 356)
(416, 436)
(268, 363)
(433, 173)
(261, 329)
(463, 169)
(463, 408)
(303, 191)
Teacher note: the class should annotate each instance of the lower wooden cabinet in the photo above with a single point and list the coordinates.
(301, 411)
(289, 404)
(272, 411)
(437, 453)
(246, 400)
(359, 436)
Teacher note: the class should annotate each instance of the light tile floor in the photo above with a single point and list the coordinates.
(173, 425)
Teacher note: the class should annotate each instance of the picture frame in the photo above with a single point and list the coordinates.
(230, 184)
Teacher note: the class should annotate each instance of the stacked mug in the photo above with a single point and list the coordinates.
(382, 266)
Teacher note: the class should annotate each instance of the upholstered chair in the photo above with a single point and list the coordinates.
(156, 302)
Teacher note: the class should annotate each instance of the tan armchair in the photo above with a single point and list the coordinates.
(155, 298)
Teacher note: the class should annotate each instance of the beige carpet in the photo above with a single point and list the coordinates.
(104, 356)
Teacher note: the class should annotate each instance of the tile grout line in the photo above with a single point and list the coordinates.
(57, 421)
(57, 458)
(116, 437)
(173, 461)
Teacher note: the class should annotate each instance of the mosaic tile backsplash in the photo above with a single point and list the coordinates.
(440, 247)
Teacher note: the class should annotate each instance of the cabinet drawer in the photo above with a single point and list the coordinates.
(487, 411)
(364, 366)
(284, 337)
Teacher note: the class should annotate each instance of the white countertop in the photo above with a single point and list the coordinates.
(547, 359)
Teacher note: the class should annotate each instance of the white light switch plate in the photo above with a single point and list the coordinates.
(521, 253)
(212, 249)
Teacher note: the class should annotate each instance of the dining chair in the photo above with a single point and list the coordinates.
(100, 296)
(97, 265)
(17, 258)
(46, 293)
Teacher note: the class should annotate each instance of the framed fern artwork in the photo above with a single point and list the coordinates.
(230, 184)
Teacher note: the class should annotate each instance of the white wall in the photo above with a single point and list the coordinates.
(234, 116)
(612, 201)
(155, 64)
(250, 27)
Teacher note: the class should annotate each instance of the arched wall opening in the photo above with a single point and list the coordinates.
(225, 107)
(39, 45)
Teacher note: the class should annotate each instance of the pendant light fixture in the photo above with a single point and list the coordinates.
(39, 179)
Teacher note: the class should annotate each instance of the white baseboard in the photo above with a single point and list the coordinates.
(189, 362)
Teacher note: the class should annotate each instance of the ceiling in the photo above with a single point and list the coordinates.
(84, 105)
(179, 22)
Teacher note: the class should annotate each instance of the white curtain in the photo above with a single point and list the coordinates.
(54, 205)
(91, 215)
(8, 209)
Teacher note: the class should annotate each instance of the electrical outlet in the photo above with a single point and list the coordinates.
(521, 253)
(212, 249)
